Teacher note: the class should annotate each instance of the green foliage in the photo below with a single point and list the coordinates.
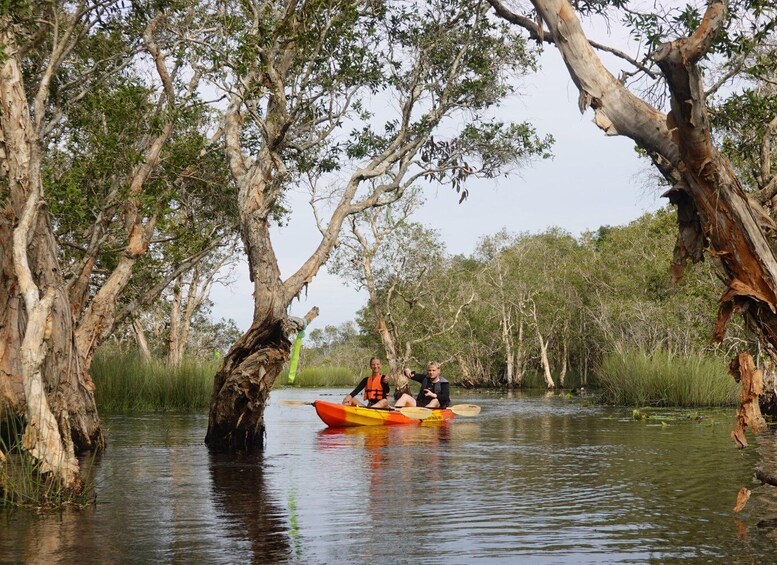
(638, 377)
(592, 297)
(741, 122)
(124, 382)
(336, 350)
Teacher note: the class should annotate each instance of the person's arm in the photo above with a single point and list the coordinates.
(358, 389)
(386, 386)
(413, 376)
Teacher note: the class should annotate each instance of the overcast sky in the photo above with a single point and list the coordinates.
(593, 180)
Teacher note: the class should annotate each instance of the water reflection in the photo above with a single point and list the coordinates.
(245, 506)
(532, 479)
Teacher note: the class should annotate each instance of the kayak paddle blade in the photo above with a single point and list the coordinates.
(415, 412)
(466, 410)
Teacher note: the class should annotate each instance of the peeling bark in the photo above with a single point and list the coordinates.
(743, 370)
(40, 375)
(140, 339)
(714, 212)
(742, 497)
(242, 385)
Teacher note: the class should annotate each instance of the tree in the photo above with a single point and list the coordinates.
(298, 74)
(37, 359)
(367, 257)
(714, 211)
(93, 152)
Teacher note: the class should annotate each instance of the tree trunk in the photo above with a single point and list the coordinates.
(140, 339)
(520, 364)
(242, 385)
(564, 356)
(40, 373)
(386, 336)
(545, 362)
(174, 346)
(507, 341)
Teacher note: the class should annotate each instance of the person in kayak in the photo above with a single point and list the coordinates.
(402, 396)
(435, 389)
(376, 389)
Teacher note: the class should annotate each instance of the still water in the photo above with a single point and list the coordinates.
(531, 479)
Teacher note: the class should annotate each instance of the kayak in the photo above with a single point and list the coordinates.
(340, 416)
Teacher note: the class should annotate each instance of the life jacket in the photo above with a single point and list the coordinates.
(374, 389)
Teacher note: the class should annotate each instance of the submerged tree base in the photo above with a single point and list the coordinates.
(22, 484)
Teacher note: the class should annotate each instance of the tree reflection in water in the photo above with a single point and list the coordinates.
(246, 507)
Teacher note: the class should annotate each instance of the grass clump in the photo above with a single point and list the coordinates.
(321, 377)
(21, 482)
(658, 378)
(125, 382)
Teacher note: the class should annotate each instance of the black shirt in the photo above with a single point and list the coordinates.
(441, 388)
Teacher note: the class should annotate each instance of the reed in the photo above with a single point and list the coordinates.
(320, 377)
(21, 483)
(125, 382)
(658, 378)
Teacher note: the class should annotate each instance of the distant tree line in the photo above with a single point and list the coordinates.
(546, 306)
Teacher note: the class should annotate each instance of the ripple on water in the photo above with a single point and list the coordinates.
(532, 479)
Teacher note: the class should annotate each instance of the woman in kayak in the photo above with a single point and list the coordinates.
(435, 390)
(376, 389)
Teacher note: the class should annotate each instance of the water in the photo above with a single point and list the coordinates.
(532, 479)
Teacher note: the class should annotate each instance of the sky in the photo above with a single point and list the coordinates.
(592, 180)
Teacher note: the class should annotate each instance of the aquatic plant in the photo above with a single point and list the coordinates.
(127, 382)
(658, 378)
(21, 482)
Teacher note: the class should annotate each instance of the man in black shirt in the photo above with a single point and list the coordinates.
(435, 389)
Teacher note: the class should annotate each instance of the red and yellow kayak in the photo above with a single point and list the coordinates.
(340, 416)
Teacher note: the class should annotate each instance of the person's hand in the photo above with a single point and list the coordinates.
(347, 399)
(428, 392)
(408, 373)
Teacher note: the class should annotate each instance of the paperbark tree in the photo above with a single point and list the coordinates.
(365, 257)
(401, 265)
(498, 279)
(189, 293)
(62, 63)
(37, 335)
(300, 72)
(714, 212)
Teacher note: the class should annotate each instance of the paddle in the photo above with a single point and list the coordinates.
(466, 410)
(415, 412)
(412, 412)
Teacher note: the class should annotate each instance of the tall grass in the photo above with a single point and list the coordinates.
(22, 484)
(321, 377)
(657, 378)
(125, 382)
